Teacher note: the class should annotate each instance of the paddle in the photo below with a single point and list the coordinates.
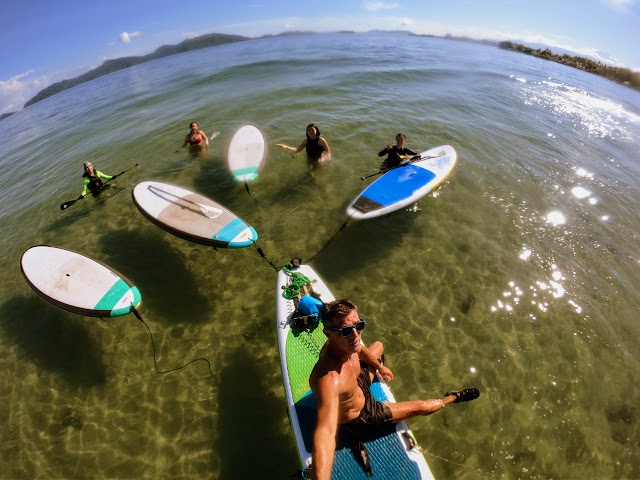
(412, 159)
(66, 205)
(211, 212)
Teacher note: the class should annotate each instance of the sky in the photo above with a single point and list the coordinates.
(45, 41)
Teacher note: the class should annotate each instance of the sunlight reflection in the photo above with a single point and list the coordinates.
(556, 218)
(540, 295)
(580, 192)
(600, 117)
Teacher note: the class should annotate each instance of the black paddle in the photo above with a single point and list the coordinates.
(415, 158)
(66, 205)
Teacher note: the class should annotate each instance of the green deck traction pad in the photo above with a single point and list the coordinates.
(387, 452)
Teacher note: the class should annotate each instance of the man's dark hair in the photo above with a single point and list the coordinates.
(337, 310)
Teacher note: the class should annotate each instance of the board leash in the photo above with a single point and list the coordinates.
(246, 187)
(264, 257)
(342, 227)
(477, 470)
(153, 345)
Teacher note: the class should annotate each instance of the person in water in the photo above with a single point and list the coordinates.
(92, 179)
(396, 153)
(316, 146)
(341, 381)
(195, 137)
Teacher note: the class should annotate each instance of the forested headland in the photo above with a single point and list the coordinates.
(110, 66)
(621, 75)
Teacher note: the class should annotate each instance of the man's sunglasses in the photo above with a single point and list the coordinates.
(346, 331)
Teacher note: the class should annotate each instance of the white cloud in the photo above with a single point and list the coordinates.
(374, 6)
(125, 37)
(16, 91)
(622, 6)
(405, 22)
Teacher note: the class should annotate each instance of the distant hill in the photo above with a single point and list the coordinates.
(110, 66)
(448, 36)
(620, 75)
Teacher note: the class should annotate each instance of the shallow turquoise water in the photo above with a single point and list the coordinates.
(519, 276)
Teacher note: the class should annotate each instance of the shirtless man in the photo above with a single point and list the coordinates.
(340, 382)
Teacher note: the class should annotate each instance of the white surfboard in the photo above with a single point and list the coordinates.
(191, 216)
(394, 454)
(78, 283)
(246, 154)
(405, 184)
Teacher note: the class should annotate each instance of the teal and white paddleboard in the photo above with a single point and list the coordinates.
(192, 216)
(246, 154)
(77, 283)
(394, 454)
(404, 185)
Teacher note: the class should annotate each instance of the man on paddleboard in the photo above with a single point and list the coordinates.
(341, 381)
(92, 179)
(396, 153)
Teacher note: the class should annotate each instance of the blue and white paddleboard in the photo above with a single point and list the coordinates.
(394, 453)
(191, 216)
(246, 154)
(404, 185)
(77, 283)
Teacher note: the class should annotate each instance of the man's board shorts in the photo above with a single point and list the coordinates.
(373, 413)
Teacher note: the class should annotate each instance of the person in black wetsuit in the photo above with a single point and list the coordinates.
(395, 152)
(317, 148)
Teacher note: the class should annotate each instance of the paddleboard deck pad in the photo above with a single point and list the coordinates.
(246, 153)
(393, 452)
(191, 216)
(404, 185)
(78, 283)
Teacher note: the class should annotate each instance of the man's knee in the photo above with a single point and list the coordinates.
(377, 349)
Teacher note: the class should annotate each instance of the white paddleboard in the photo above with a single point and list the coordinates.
(191, 216)
(77, 283)
(246, 154)
(405, 184)
(394, 455)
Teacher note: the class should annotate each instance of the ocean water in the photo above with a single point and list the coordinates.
(519, 276)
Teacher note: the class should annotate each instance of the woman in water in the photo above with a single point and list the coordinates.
(92, 179)
(316, 146)
(396, 153)
(195, 137)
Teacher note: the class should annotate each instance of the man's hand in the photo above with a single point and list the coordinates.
(385, 372)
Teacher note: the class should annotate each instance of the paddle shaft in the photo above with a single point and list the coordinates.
(66, 205)
(397, 166)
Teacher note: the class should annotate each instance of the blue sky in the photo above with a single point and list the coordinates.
(44, 41)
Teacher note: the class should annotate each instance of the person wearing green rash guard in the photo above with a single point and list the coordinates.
(92, 179)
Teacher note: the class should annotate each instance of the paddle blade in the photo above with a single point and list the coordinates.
(66, 205)
(210, 212)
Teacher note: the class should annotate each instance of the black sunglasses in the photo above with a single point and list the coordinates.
(346, 331)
